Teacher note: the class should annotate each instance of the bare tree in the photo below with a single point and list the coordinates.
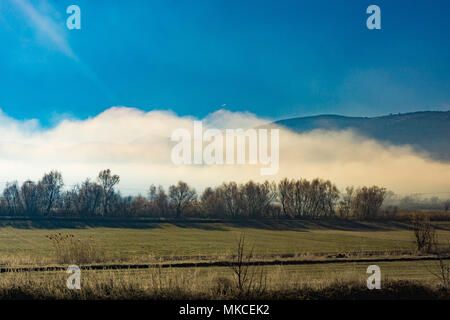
(424, 233)
(285, 195)
(138, 206)
(162, 201)
(247, 280)
(329, 198)
(368, 201)
(302, 198)
(241, 265)
(257, 198)
(345, 205)
(181, 196)
(212, 202)
(310, 199)
(11, 195)
(232, 199)
(158, 203)
(152, 193)
(443, 272)
(107, 181)
(50, 190)
(30, 197)
(88, 199)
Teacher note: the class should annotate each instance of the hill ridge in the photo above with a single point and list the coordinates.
(425, 131)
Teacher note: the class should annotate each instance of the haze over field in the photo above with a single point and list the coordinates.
(137, 146)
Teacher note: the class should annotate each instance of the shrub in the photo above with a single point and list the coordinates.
(249, 281)
(71, 250)
(424, 233)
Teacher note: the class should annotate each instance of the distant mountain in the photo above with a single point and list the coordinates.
(427, 131)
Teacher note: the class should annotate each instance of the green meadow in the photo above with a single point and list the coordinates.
(23, 241)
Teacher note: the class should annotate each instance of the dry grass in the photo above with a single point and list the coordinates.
(72, 250)
(314, 282)
(10, 261)
(194, 284)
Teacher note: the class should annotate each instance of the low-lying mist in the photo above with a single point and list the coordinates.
(137, 145)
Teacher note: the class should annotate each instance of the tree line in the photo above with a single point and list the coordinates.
(300, 199)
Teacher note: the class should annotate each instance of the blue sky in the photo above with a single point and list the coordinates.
(276, 59)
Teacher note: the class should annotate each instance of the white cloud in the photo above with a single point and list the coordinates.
(137, 146)
(224, 119)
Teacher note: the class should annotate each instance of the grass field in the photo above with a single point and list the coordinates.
(25, 241)
(333, 281)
